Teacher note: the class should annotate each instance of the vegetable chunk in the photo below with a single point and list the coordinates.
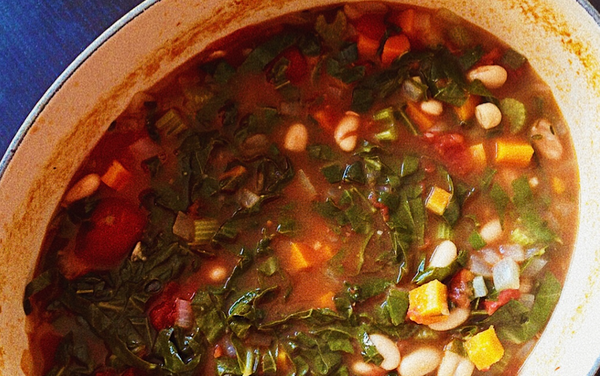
(484, 349)
(429, 303)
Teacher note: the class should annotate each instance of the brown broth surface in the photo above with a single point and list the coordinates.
(215, 245)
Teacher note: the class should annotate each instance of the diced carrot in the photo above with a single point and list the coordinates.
(406, 21)
(303, 256)
(326, 300)
(394, 47)
(367, 47)
(423, 121)
(467, 110)
(515, 153)
(558, 185)
(484, 349)
(116, 176)
(438, 200)
(428, 303)
(478, 155)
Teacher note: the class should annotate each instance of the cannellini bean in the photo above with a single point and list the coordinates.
(432, 107)
(449, 363)
(87, 186)
(488, 115)
(464, 368)
(365, 369)
(388, 350)
(455, 365)
(491, 76)
(420, 362)
(491, 231)
(545, 141)
(443, 255)
(217, 274)
(296, 138)
(456, 317)
(345, 133)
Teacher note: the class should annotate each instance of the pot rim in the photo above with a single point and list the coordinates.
(89, 51)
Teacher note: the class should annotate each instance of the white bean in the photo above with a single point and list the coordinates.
(296, 138)
(488, 115)
(455, 365)
(456, 317)
(465, 368)
(545, 141)
(217, 274)
(365, 369)
(432, 107)
(87, 186)
(345, 133)
(420, 362)
(388, 350)
(491, 76)
(491, 231)
(443, 255)
(449, 363)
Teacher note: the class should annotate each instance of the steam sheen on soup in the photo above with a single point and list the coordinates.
(360, 190)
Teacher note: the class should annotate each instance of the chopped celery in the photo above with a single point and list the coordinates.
(479, 288)
(476, 240)
(171, 123)
(387, 135)
(444, 231)
(415, 91)
(204, 230)
(385, 116)
(513, 59)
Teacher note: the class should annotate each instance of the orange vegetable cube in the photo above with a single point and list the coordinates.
(467, 110)
(437, 201)
(478, 155)
(428, 304)
(367, 47)
(303, 256)
(422, 120)
(516, 153)
(394, 47)
(116, 176)
(406, 21)
(484, 349)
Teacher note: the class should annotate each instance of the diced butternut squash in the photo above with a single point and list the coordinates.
(515, 153)
(478, 155)
(367, 47)
(428, 304)
(484, 349)
(299, 256)
(116, 176)
(421, 119)
(437, 201)
(394, 47)
(303, 256)
(467, 110)
(326, 300)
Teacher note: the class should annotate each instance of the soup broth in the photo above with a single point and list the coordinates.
(368, 189)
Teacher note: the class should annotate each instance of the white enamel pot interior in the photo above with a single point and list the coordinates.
(560, 38)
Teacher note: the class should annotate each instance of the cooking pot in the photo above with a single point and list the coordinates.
(560, 37)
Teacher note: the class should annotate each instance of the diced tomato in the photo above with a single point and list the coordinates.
(504, 297)
(459, 291)
(453, 149)
(371, 26)
(111, 233)
(297, 68)
(491, 57)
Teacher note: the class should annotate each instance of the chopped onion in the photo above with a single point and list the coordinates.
(490, 256)
(305, 183)
(479, 288)
(248, 198)
(514, 251)
(506, 274)
(527, 300)
(534, 266)
(184, 315)
(479, 266)
(184, 227)
(144, 148)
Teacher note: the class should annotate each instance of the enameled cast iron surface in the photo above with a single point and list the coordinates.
(560, 38)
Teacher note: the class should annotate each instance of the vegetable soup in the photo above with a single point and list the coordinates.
(369, 189)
